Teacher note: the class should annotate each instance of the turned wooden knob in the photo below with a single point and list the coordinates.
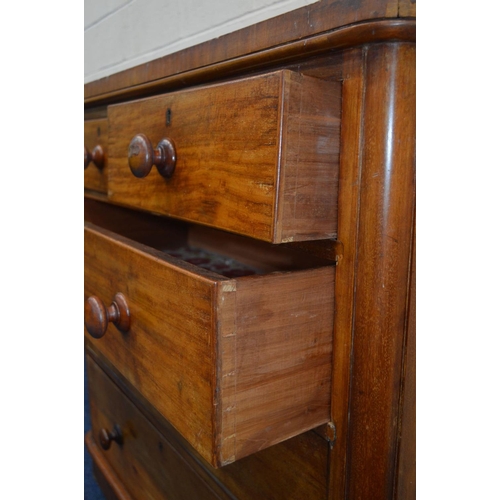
(106, 437)
(97, 156)
(97, 316)
(142, 156)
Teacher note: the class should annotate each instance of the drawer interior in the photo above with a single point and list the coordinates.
(225, 254)
(236, 357)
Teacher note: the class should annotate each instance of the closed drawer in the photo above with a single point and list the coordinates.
(96, 154)
(236, 364)
(257, 156)
(145, 462)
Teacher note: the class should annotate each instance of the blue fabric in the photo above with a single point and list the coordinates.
(92, 490)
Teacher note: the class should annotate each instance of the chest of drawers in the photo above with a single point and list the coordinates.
(249, 279)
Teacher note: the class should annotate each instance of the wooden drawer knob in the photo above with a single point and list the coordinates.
(106, 437)
(97, 156)
(86, 157)
(97, 316)
(142, 156)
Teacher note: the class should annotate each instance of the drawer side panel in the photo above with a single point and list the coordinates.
(308, 196)
(275, 367)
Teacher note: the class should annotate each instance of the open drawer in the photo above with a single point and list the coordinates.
(234, 350)
(257, 156)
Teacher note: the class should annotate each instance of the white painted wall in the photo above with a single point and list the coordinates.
(120, 34)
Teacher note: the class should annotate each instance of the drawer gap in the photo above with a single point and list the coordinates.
(226, 254)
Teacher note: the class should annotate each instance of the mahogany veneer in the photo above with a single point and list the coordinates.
(238, 365)
(298, 131)
(257, 156)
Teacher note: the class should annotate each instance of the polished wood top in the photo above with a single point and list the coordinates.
(359, 21)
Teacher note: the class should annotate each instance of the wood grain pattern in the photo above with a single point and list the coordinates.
(146, 463)
(292, 470)
(275, 359)
(193, 357)
(407, 8)
(257, 156)
(406, 488)
(180, 380)
(314, 19)
(295, 469)
(96, 133)
(356, 111)
(350, 172)
(161, 232)
(384, 243)
(372, 456)
(308, 184)
(281, 55)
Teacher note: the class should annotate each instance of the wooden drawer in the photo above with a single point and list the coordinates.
(235, 364)
(96, 154)
(257, 156)
(153, 461)
(144, 461)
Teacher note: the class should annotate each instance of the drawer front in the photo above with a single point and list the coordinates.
(96, 152)
(235, 365)
(257, 156)
(153, 462)
(168, 352)
(146, 463)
